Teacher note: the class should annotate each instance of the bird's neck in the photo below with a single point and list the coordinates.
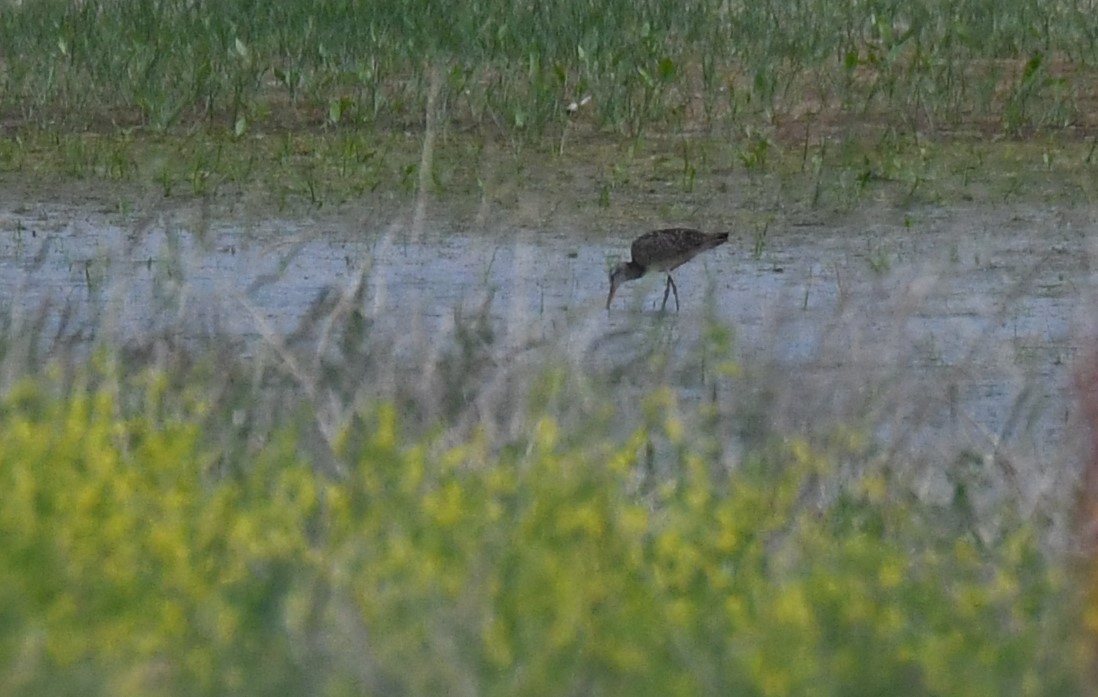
(633, 270)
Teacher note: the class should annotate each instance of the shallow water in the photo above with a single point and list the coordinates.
(981, 310)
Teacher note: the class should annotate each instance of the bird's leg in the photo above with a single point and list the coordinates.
(671, 283)
(666, 292)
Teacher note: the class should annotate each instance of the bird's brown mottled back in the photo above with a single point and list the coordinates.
(663, 250)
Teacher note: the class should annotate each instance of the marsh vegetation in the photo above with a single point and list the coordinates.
(306, 384)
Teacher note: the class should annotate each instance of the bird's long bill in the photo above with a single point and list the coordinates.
(613, 289)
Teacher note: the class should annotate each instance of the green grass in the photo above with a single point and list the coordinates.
(318, 103)
(511, 67)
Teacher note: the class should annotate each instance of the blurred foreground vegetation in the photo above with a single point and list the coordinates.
(160, 536)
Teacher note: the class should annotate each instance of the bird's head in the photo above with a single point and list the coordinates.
(625, 271)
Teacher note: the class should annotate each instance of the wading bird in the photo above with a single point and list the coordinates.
(663, 250)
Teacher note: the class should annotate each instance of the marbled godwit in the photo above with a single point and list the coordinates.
(663, 250)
